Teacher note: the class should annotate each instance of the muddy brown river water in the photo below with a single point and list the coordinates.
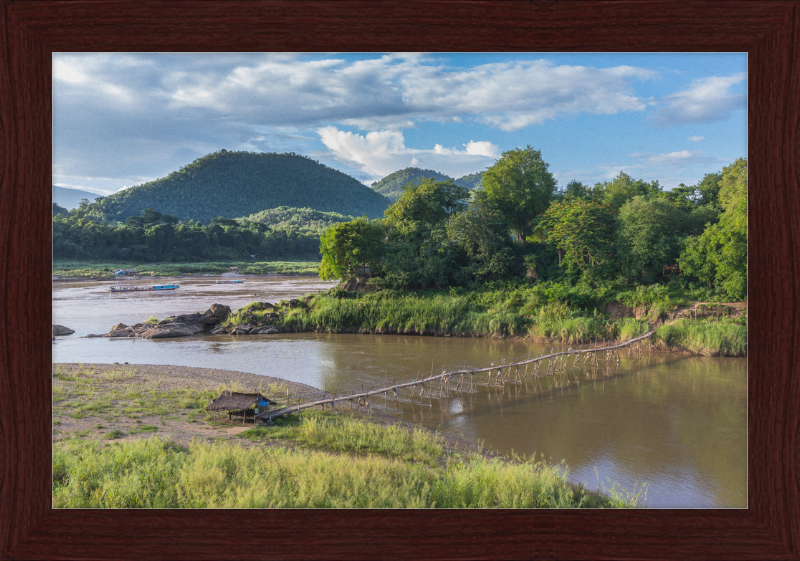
(675, 423)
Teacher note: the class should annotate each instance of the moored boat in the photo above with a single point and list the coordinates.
(130, 288)
(230, 281)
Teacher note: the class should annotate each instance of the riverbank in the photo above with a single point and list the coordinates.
(86, 271)
(709, 330)
(139, 436)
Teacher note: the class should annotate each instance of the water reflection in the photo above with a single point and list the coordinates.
(677, 423)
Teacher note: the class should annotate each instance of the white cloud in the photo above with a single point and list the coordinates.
(706, 101)
(379, 153)
(393, 91)
(679, 158)
(695, 138)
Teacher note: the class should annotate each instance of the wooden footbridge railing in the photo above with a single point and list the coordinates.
(557, 361)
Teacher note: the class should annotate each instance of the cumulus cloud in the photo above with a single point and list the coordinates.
(379, 153)
(132, 116)
(707, 100)
(695, 138)
(393, 91)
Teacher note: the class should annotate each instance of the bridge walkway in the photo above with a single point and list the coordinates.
(447, 375)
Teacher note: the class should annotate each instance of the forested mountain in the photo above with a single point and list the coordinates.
(70, 198)
(471, 181)
(235, 184)
(296, 217)
(391, 186)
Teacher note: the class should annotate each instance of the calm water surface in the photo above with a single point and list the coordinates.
(678, 424)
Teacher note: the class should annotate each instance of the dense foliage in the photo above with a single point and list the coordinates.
(718, 256)
(152, 237)
(522, 187)
(618, 234)
(308, 218)
(233, 184)
(391, 186)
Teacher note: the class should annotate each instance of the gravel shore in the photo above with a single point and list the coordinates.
(169, 377)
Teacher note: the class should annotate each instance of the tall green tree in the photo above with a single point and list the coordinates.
(718, 257)
(582, 231)
(350, 247)
(419, 252)
(482, 232)
(648, 237)
(621, 189)
(521, 185)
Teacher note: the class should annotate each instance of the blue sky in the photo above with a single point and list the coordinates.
(123, 119)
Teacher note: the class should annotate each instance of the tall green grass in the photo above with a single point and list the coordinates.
(346, 434)
(153, 473)
(402, 314)
(706, 337)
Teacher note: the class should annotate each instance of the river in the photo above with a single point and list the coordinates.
(675, 423)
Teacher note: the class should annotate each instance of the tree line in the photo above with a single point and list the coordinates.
(624, 231)
(153, 236)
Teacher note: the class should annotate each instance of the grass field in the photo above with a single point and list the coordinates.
(124, 441)
(333, 463)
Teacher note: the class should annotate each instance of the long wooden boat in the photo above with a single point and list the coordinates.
(129, 288)
(230, 281)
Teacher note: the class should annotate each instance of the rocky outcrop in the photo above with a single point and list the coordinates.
(177, 326)
(209, 322)
(61, 330)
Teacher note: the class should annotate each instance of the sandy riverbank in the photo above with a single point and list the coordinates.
(90, 400)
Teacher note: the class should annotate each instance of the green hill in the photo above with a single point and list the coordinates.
(471, 181)
(304, 220)
(235, 184)
(391, 186)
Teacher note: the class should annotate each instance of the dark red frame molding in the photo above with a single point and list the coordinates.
(768, 30)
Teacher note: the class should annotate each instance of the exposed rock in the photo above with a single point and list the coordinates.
(219, 330)
(295, 303)
(218, 311)
(122, 332)
(170, 330)
(61, 330)
(242, 329)
(266, 330)
(181, 325)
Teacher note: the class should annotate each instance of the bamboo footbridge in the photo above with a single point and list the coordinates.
(556, 362)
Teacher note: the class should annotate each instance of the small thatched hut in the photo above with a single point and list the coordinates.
(239, 404)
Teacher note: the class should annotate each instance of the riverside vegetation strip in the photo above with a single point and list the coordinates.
(545, 311)
(138, 437)
(100, 271)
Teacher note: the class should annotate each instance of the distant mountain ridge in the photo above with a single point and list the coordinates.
(237, 184)
(70, 198)
(391, 186)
